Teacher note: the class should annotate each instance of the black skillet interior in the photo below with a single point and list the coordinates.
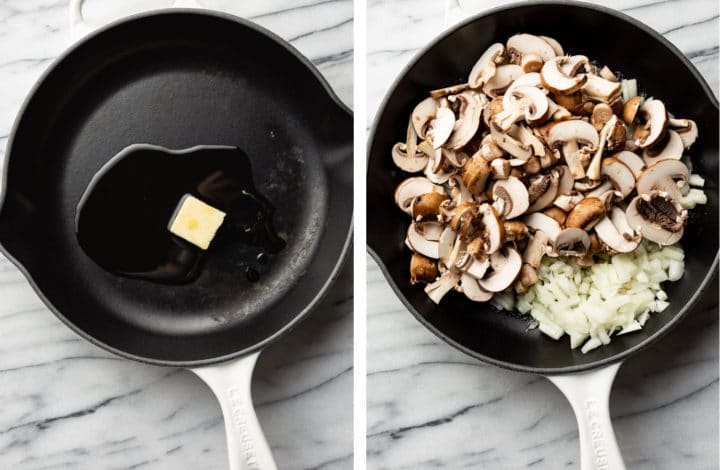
(639, 53)
(180, 79)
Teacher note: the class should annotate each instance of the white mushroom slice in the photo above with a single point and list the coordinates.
(476, 268)
(593, 170)
(493, 232)
(525, 102)
(554, 44)
(441, 127)
(664, 176)
(656, 217)
(567, 136)
(472, 290)
(405, 162)
(598, 89)
(686, 128)
(670, 148)
(447, 282)
(485, 67)
(446, 244)
(458, 190)
(619, 175)
(504, 76)
(542, 191)
(490, 151)
(614, 231)
(655, 123)
(608, 74)
(423, 113)
(572, 65)
(565, 180)
(522, 44)
(429, 229)
(420, 244)
(586, 184)
(435, 174)
(571, 242)
(531, 63)
(604, 187)
(524, 135)
(586, 214)
(567, 202)
(411, 188)
(632, 161)
(514, 196)
(508, 143)
(536, 249)
(556, 81)
(544, 223)
(531, 79)
(500, 168)
(454, 158)
(505, 265)
(469, 109)
(450, 90)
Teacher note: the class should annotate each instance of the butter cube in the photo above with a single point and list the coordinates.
(196, 221)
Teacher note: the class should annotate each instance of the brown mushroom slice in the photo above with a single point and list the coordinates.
(500, 168)
(420, 244)
(505, 265)
(458, 190)
(411, 188)
(536, 248)
(469, 106)
(556, 213)
(508, 143)
(654, 124)
(472, 290)
(567, 136)
(447, 282)
(593, 170)
(630, 109)
(522, 44)
(515, 230)
(527, 277)
(427, 205)
(486, 65)
(422, 269)
(423, 113)
(406, 163)
(441, 127)
(686, 128)
(450, 90)
(663, 176)
(475, 174)
(531, 63)
(614, 231)
(571, 242)
(567, 202)
(601, 114)
(463, 219)
(586, 214)
(598, 89)
(511, 197)
(504, 76)
(555, 80)
(619, 175)
(657, 217)
(493, 231)
(631, 160)
(669, 148)
(542, 191)
(537, 221)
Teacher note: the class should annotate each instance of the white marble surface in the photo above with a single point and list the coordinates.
(65, 404)
(430, 406)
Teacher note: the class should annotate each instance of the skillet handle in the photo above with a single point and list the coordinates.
(589, 395)
(230, 381)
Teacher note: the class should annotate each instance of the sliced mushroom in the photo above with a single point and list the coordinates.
(520, 45)
(504, 76)
(619, 175)
(567, 136)
(525, 102)
(556, 213)
(608, 74)
(527, 277)
(565, 180)
(427, 206)
(505, 265)
(571, 242)
(469, 109)
(531, 63)
(490, 151)
(493, 230)
(508, 143)
(586, 214)
(441, 127)
(450, 90)
(604, 187)
(586, 184)
(422, 269)
(554, 44)
(511, 197)
(632, 161)
(542, 191)
(555, 80)
(515, 230)
(686, 128)
(464, 219)
(405, 162)
(423, 113)
(536, 248)
(671, 147)
(475, 174)
(615, 232)
(531, 79)
(630, 109)
(411, 188)
(458, 190)
(657, 217)
(664, 176)
(598, 89)
(567, 202)
(447, 282)
(472, 290)
(417, 241)
(500, 168)
(654, 123)
(537, 221)
(593, 170)
(486, 65)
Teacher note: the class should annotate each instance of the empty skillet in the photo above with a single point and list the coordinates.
(177, 79)
(499, 338)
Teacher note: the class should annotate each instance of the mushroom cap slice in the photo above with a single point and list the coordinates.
(568, 135)
(514, 196)
(505, 265)
(475, 174)
(669, 148)
(536, 248)
(420, 244)
(441, 127)
(616, 233)
(406, 163)
(427, 205)
(486, 65)
(565, 180)
(554, 44)
(567, 202)
(493, 229)
(597, 88)
(459, 191)
(504, 76)
(555, 80)
(447, 282)
(619, 175)
(593, 170)
(508, 143)
(655, 115)
(422, 269)
(469, 109)
(586, 213)
(537, 221)
(472, 290)
(411, 188)
(630, 109)
(450, 90)
(522, 44)
(475, 267)
(423, 113)
(686, 128)
(657, 218)
(542, 191)
(528, 79)
(662, 176)
(571, 242)
(631, 160)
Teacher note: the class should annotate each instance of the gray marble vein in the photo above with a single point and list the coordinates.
(66, 404)
(430, 406)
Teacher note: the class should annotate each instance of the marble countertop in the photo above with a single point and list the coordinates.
(66, 404)
(430, 406)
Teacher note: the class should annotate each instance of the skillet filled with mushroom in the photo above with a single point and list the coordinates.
(524, 161)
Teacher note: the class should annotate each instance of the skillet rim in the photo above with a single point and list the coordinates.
(68, 51)
(621, 356)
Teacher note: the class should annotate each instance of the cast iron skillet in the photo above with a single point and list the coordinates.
(181, 78)
(661, 70)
